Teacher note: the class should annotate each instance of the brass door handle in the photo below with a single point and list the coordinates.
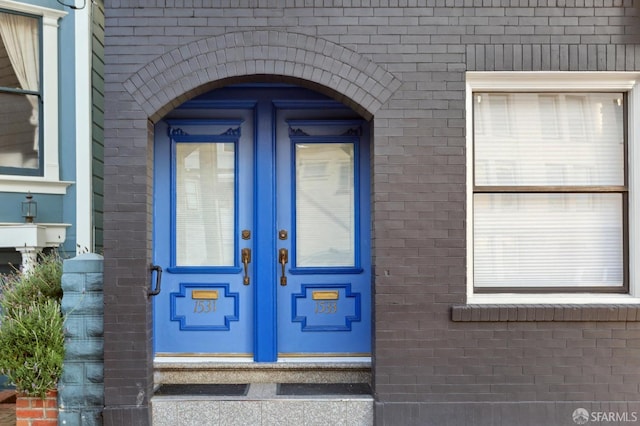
(283, 258)
(246, 259)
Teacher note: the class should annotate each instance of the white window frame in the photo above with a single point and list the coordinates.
(628, 82)
(49, 182)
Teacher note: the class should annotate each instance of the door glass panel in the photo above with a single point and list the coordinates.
(325, 204)
(205, 204)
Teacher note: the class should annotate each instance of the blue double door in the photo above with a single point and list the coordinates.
(262, 226)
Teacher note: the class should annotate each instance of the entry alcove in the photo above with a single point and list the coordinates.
(261, 225)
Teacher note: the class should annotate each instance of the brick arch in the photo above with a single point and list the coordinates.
(203, 65)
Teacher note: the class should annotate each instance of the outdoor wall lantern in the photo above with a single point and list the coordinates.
(29, 209)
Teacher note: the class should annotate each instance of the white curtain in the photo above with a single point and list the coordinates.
(20, 37)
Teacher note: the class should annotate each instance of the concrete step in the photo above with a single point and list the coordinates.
(259, 404)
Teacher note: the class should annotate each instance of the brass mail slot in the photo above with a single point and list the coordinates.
(325, 295)
(205, 294)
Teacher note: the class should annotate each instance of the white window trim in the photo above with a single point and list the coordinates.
(50, 182)
(561, 81)
(84, 157)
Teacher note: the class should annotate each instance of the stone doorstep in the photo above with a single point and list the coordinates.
(263, 406)
(197, 371)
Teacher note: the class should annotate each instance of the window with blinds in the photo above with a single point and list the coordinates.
(550, 192)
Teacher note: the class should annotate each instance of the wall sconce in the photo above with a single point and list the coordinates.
(29, 209)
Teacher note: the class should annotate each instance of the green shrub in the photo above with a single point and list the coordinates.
(32, 343)
(32, 327)
(42, 283)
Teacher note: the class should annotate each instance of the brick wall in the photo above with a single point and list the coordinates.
(402, 63)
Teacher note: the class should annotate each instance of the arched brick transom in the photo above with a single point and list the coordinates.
(195, 68)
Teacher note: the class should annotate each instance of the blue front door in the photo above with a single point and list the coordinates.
(261, 223)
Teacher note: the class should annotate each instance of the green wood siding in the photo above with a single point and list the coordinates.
(97, 83)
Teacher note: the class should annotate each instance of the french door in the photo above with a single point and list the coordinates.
(262, 226)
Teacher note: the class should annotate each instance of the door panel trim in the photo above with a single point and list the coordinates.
(264, 230)
(182, 293)
(328, 270)
(307, 290)
(312, 355)
(204, 269)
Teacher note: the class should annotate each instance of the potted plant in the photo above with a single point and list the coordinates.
(32, 337)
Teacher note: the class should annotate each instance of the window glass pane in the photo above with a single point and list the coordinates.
(533, 139)
(19, 69)
(205, 204)
(325, 230)
(548, 240)
(19, 131)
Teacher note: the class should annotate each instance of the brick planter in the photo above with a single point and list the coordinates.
(35, 411)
